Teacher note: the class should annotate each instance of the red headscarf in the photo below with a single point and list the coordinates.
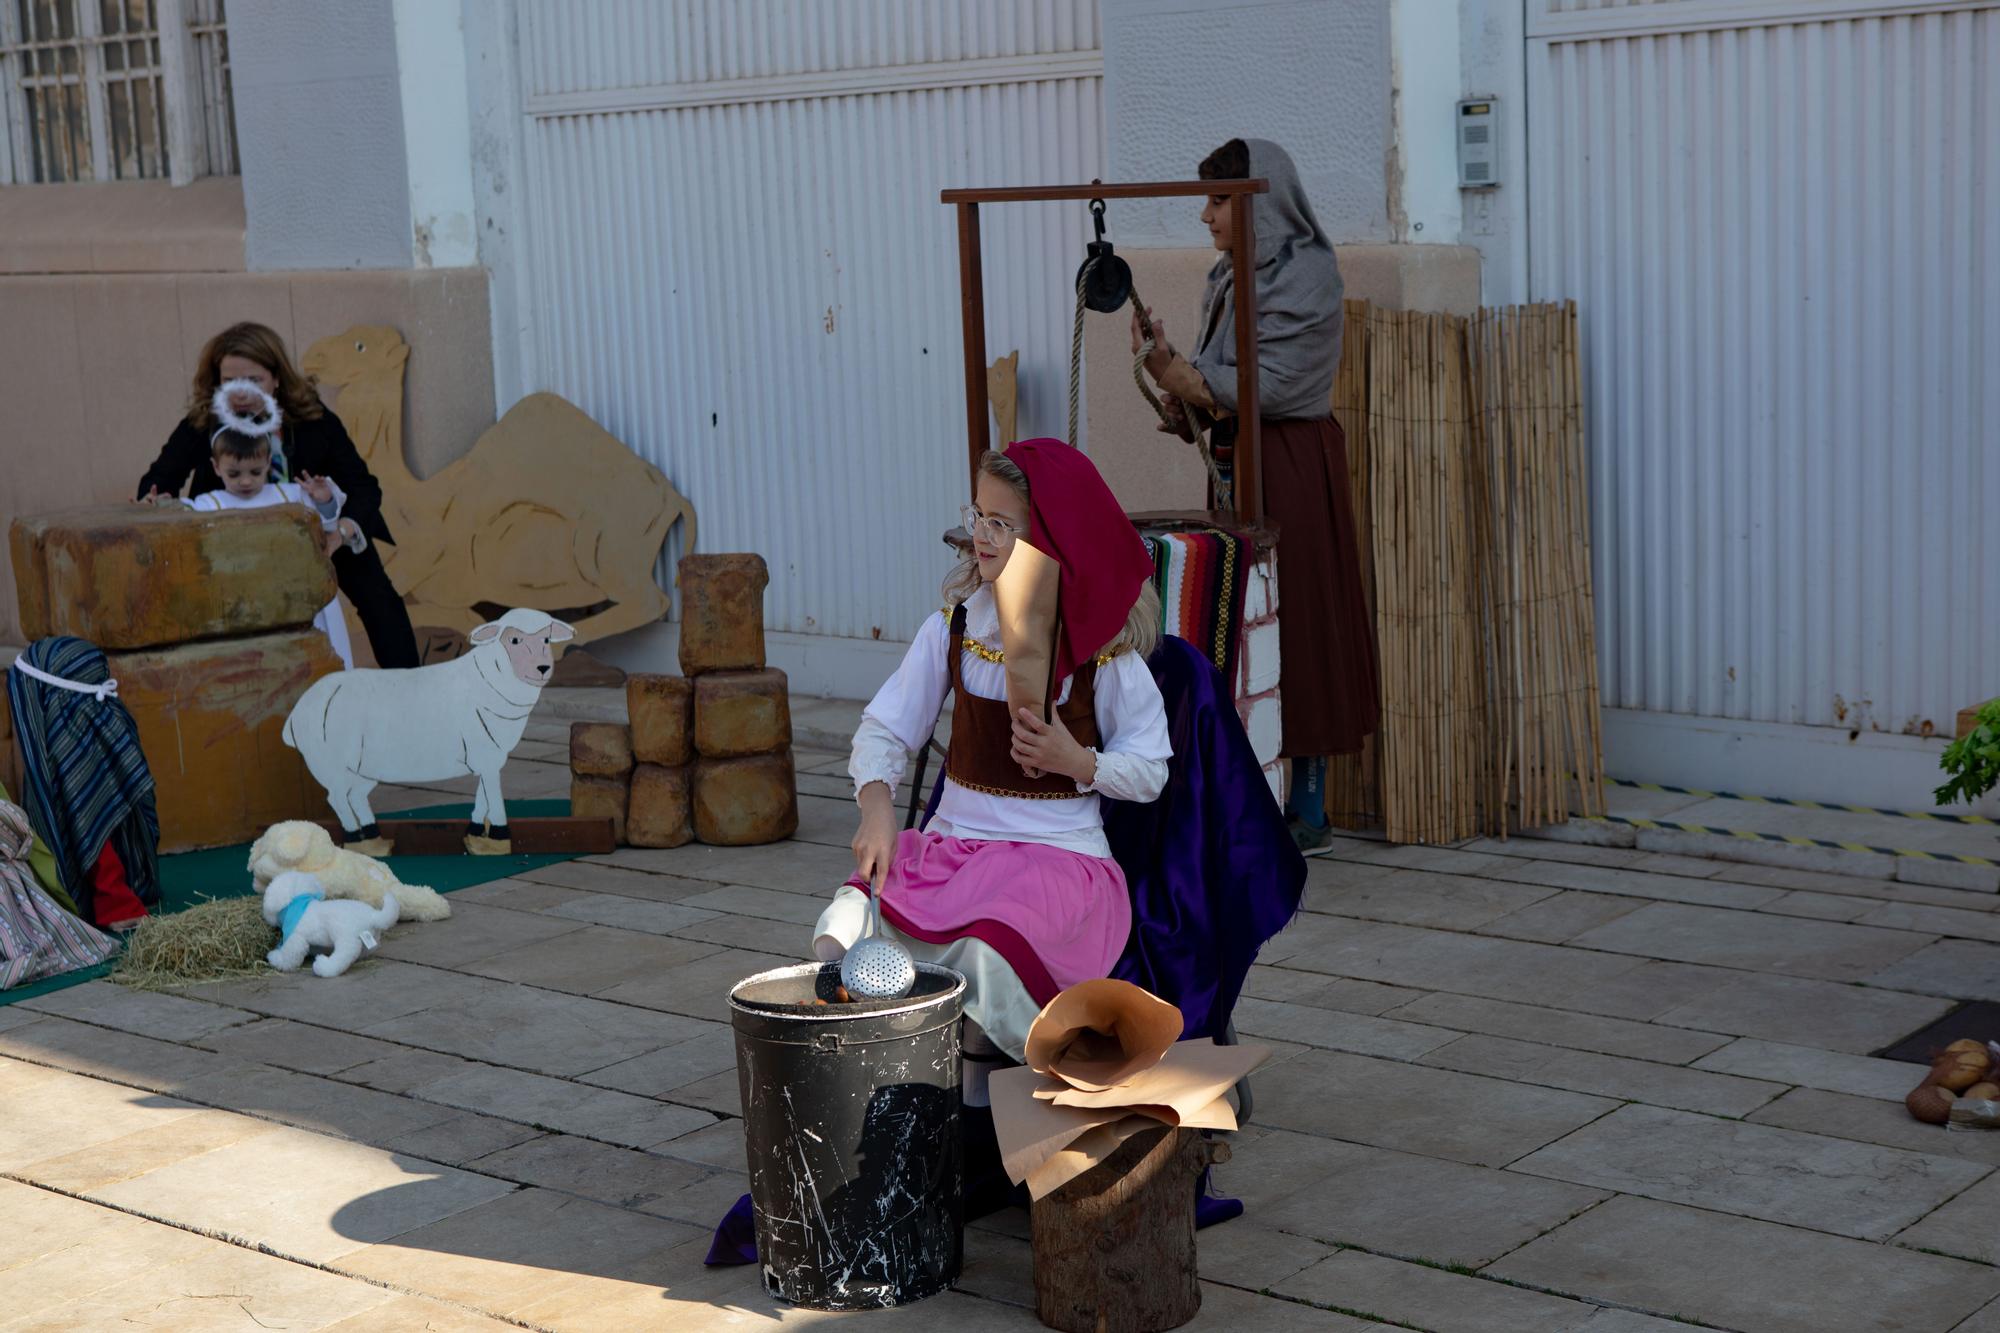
(1075, 520)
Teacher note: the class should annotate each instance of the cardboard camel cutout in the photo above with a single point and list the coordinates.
(546, 510)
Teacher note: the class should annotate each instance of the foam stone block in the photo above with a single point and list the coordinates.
(599, 749)
(661, 710)
(741, 712)
(659, 812)
(722, 612)
(747, 801)
(133, 576)
(601, 798)
(211, 719)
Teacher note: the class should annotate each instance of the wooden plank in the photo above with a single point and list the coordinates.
(972, 316)
(532, 836)
(1247, 477)
(1028, 194)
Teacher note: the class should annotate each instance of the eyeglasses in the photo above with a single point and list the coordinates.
(984, 527)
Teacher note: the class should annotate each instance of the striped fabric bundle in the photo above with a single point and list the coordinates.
(87, 780)
(37, 938)
(1201, 577)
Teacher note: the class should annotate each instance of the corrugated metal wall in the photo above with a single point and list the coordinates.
(1785, 241)
(739, 265)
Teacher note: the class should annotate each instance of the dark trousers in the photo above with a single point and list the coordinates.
(379, 605)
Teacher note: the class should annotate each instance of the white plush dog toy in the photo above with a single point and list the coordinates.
(300, 845)
(296, 904)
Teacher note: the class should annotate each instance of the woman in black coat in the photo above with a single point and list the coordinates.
(313, 441)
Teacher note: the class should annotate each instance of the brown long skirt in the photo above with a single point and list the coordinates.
(1329, 689)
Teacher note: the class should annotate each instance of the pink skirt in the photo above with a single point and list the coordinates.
(1057, 917)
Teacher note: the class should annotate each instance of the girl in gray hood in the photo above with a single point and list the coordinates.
(1326, 638)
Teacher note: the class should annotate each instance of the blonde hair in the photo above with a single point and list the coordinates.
(1142, 624)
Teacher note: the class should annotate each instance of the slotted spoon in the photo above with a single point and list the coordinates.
(877, 967)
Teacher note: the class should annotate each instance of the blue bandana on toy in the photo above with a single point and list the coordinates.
(295, 910)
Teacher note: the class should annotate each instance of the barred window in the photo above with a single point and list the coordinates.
(102, 90)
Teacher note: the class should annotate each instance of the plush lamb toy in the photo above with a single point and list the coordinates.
(296, 904)
(298, 844)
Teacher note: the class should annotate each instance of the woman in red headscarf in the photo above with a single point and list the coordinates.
(1012, 882)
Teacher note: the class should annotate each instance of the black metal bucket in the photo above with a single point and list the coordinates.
(850, 1122)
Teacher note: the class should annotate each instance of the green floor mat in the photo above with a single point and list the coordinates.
(187, 878)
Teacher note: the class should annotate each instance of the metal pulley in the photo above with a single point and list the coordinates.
(1105, 280)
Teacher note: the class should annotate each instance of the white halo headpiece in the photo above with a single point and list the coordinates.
(265, 421)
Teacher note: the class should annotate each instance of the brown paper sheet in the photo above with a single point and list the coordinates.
(1188, 1078)
(1030, 1131)
(1092, 1147)
(1026, 597)
(1097, 1034)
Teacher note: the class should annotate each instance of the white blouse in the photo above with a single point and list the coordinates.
(1131, 724)
(274, 493)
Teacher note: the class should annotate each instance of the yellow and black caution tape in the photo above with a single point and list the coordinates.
(1758, 835)
(1805, 805)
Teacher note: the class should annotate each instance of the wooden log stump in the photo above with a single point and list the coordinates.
(1114, 1248)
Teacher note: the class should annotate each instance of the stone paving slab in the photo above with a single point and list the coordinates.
(1684, 933)
(1561, 1027)
(298, 1046)
(48, 1109)
(119, 1057)
(1961, 969)
(1950, 922)
(710, 1050)
(610, 909)
(528, 1249)
(1427, 898)
(531, 1029)
(1821, 906)
(300, 1193)
(1459, 1117)
(1267, 982)
(1445, 961)
(1335, 1031)
(310, 1102)
(1604, 1075)
(1873, 1120)
(1854, 1019)
(570, 1108)
(222, 1287)
(478, 932)
(100, 1165)
(1636, 884)
(1964, 1227)
(611, 876)
(143, 1013)
(590, 960)
(1737, 1273)
(1431, 1298)
(1810, 1067)
(1562, 916)
(1419, 1207)
(1778, 1175)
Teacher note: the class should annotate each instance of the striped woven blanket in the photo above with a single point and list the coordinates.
(87, 780)
(1200, 577)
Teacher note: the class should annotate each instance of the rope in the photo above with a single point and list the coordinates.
(107, 689)
(1190, 429)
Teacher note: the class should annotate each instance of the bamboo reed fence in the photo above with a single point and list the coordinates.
(1465, 446)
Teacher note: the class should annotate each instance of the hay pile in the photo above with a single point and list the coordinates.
(219, 940)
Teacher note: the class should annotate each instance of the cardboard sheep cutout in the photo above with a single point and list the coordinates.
(427, 724)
